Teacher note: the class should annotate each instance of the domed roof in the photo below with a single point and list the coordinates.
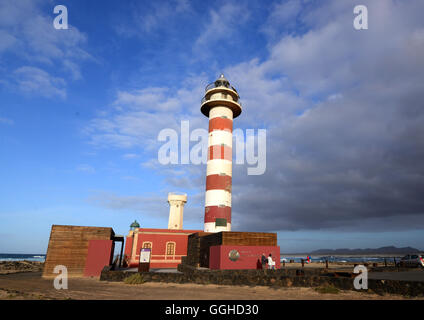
(222, 77)
(222, 81)
(135, 224)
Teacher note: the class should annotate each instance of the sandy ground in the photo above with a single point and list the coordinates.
(31, 285)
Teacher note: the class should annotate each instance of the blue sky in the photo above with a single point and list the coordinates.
(81, 109)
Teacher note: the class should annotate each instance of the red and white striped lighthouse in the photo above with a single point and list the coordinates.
(221, 105)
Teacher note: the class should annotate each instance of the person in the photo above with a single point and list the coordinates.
(271, 263)
(263, 261)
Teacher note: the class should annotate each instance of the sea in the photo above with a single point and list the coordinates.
(20, 257)
(341, 258)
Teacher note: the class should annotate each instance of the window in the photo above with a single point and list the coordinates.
(220, 222)
(147, 245)
(170, 248)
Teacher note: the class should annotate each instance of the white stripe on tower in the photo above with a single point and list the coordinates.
(220, 112)
(220, 137)
(219, 166)
(217, 198)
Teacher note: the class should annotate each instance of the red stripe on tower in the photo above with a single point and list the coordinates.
(219, 182)
(211, 213)
(220, 152)
(220, 124)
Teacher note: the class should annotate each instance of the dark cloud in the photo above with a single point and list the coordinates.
(354, 160)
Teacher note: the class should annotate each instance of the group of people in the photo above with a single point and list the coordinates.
(267, 261)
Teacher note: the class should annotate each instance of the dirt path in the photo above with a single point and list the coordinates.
(32, 286)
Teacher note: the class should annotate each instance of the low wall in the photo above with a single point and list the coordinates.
(274, 278)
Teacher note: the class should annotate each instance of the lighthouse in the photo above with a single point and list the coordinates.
(176, 208)
(221, 105)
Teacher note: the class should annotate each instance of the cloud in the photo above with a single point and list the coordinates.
(136, 117)
(86, 168)
(130, 178)
(141, 204)
(156, 204)
(223, 24)
(32, 80)
(153, 16)
(28, 35)
(129, 156)
(349, 156)
(282, 17)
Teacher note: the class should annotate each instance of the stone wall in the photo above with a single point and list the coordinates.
(273, 278)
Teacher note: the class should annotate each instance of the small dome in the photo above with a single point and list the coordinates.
(135, 224)
(222, 77)
(222, 81)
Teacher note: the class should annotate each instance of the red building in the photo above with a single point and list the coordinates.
(167, 245)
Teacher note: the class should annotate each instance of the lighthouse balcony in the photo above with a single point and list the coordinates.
(229, 91)
(215, 100)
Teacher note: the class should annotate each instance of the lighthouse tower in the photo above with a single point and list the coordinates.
(221, 105)
(176, 208)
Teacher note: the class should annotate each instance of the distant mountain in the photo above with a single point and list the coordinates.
(382, 250)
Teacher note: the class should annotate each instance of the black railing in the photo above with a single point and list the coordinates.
(220, 84)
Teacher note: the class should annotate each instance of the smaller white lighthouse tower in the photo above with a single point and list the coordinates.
(176, 209)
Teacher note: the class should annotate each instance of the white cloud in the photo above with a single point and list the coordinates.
(28, 33)
(85, 168)
(223, 25)
(6, 41)
(36, 81)
(136, 117)
(128, 156)
(149, 99)
(130, 178)
(282, 17)
(153, 16)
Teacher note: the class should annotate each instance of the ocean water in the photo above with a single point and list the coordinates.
(20, 257)
(351, 259)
